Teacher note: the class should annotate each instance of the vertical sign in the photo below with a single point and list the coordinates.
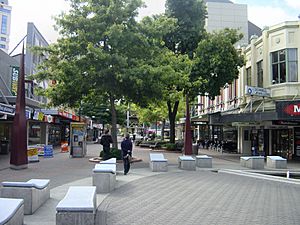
(14, 79)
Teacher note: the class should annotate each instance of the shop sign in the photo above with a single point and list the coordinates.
(287, 123)
(7, 109)
(257, 91)
(288, 110)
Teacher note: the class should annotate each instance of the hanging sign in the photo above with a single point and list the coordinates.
(15, 71)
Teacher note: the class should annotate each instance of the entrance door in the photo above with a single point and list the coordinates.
(282, 142)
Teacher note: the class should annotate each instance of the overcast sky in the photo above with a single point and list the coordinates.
(41, 12)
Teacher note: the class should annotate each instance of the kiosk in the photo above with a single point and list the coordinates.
(78, 133)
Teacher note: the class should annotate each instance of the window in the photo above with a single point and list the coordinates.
(284, 66)
(2, 46)
(3, 39)
(260, 74)
(292, 65)
(4, 25)
(248, 76)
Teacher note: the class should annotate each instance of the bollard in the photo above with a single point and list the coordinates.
(288, 174)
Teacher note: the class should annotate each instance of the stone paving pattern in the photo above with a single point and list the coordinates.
(204, 198)
(174, 197)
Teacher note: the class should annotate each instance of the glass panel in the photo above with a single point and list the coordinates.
(248, 73)
(293, 71)
(259, 74)
(275, 79)
(274, 57)
(282, 55)
(4, 25)
(282, 72)
(292, 54)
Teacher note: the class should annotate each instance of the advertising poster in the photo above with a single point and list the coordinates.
(78, 139)
(32, 154)
(48, 151)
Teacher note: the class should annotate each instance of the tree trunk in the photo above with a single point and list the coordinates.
(172, 118)
(113, 121)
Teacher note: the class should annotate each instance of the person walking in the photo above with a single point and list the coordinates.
(126, 147)
(105, 141)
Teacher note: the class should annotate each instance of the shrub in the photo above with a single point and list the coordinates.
(170, 146)
(114, 153)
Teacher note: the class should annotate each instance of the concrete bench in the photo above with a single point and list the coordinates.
(109, 161)
(158, 163)
(276, 162)
(203, 161)
(77, 207)
(187, 163)
(11, 211)
(104, 177)
(35, 193)
(253, 162)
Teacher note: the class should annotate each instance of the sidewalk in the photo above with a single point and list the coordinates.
(175, 197)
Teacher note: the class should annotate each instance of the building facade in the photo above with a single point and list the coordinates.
(260, 111)
(223, 14)
(5, 21)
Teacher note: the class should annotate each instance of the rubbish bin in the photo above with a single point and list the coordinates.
(3, 147)
(195, 149)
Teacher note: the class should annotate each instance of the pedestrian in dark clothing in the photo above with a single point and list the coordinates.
(126, 147)
(106, 140)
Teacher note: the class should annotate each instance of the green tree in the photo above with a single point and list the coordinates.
(190, 16)
(216, 62)
(104, 51)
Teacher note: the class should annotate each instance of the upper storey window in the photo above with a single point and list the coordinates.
(4, 25)
(284, 66)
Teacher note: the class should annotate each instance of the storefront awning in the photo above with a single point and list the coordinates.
(243, 117)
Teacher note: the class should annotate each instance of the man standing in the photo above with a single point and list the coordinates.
(106, 140)
(126, 147)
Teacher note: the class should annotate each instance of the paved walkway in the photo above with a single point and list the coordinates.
(217, 196)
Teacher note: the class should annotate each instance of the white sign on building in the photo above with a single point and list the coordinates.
(257, 91)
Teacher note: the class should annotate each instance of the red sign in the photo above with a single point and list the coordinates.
(293, 109)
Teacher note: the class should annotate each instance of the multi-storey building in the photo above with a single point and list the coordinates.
(5, 18)
(225, 14)
(261, 110)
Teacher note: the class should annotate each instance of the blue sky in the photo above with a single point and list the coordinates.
(41, 12)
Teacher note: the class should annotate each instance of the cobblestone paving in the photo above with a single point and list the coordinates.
(202, 197)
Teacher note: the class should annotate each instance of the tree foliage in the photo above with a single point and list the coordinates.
(216, 62)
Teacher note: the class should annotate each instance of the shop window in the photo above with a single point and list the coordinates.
(284, 66)
(34, 134)
(260, 74)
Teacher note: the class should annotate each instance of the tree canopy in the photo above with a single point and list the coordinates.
(216, 62)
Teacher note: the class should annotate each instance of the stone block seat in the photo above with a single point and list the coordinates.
(11, 211)
(276, 162)
(186, 162)
(253, 162)
(77, 207)
(158, 163)
(104, 177)
(109, 161)
(35, 193)
(203, 161)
